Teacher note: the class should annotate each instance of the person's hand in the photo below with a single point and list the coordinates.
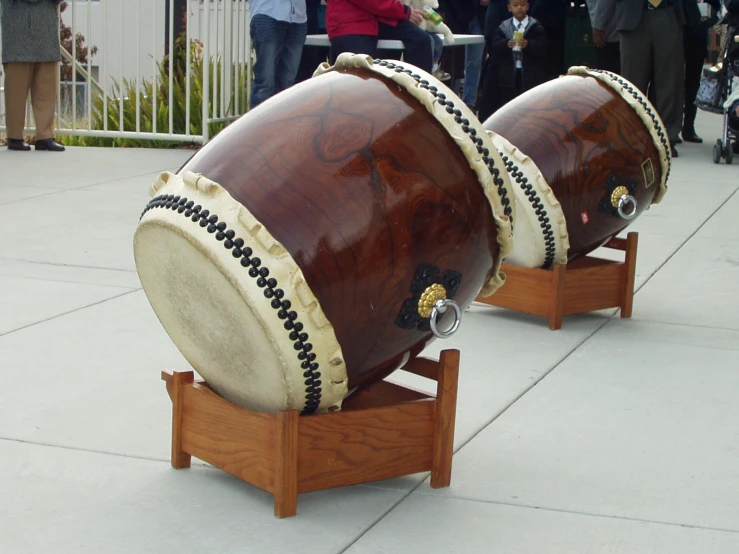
(599, 38)
(484, 2)
(511, 43)
(524, 43)
(417, 16)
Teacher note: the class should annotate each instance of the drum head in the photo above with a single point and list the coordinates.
(223, 311)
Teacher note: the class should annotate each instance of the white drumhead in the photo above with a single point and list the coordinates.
(211, 300)
(540, 230)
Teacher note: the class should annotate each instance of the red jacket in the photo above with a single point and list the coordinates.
(360, 17)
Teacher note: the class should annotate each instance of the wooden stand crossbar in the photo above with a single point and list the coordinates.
(383, 431)
(584, 285)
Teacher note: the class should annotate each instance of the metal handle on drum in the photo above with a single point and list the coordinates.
(439, 308)
(626, 200)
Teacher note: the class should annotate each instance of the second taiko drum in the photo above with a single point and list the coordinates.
(587, 153)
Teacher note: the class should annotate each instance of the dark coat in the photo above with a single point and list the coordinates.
(458, 14)
(497, 13)
(30, 30)
(533, 57)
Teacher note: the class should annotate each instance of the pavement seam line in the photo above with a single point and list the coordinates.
(68, 312)
(69, 265)
(581, 513)
(542, 377)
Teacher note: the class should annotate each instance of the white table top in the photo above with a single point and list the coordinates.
(459, 40)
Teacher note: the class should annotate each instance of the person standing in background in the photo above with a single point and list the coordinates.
(312, 55)
(278, 30)
(652, 54)
(517, 61)
(605, 36)
(552, 14)
(473, 57)
(31, 56)
(695, 48)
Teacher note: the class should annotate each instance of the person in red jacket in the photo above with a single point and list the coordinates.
(356, 26)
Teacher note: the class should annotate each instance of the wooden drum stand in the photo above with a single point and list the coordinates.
(584, 285)
(381, 432)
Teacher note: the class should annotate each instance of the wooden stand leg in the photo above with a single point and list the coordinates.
(286, 467)
(446, 410)
(630, 276)
(556, 307)
(180, 459)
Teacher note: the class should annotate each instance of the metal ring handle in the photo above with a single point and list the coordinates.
(439, 308)
(625, 200)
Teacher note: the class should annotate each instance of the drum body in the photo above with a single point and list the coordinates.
(587, 153)
(296, 256)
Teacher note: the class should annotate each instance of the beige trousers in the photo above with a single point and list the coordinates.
(41, 80)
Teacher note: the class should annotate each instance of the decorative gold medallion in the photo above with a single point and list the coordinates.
(429, 297)
(648, 170)
(617, 193)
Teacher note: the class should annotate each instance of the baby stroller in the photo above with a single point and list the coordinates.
(726, 95)
(718, 90)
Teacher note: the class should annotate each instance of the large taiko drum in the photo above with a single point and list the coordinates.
(586, 153)
(312, 246)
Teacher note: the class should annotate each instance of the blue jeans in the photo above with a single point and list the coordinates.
(278, 45)
(472, 66)
(438, 46)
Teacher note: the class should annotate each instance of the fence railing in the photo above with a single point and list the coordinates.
(154, 74)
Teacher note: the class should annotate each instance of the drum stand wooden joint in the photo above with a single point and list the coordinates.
(383, 431)
(584, 285)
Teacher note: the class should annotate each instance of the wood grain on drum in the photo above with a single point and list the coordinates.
(361, 185)
(586, 140)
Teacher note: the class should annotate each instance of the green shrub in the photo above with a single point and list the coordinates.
(127, 107)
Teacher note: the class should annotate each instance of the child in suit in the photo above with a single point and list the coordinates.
(517, 58)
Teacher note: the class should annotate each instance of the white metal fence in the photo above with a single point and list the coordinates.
(130, 88)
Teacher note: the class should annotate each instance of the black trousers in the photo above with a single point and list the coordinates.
(418, 46)
(495, 96)
(608, 58)
(312, 55)
(695, 46)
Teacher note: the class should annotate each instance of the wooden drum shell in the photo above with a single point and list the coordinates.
(586, 140)
(360, 185)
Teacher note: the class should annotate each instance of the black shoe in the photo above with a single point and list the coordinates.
(673, 151)
(690, 136)
(678, 140)
(49, 144)
(17, 144)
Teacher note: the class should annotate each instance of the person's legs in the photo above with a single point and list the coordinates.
(609, 57)
(695, 49)
(289, 58)
(636, 55)
(43, 98)
(669, 70)
(267, 35)
(417, 43)
(17, 85)
(312, 55)
(438, 47)
(472, 66)
(356, 44)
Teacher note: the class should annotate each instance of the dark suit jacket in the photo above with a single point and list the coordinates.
(627, 13)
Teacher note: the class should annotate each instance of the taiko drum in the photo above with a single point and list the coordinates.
(324, 237)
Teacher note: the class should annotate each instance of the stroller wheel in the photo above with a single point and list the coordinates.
(729, 155)
(717, 153)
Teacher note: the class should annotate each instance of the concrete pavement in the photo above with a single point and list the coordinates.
(610, 435)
